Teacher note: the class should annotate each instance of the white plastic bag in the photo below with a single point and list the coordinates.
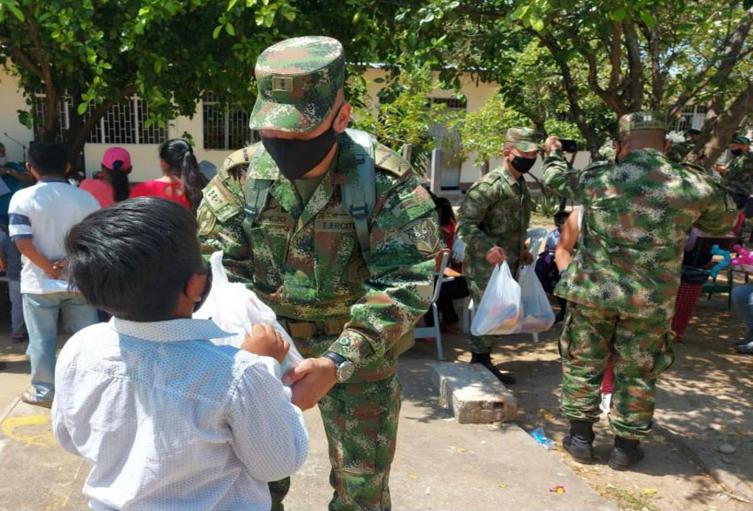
(235, 309)
(538, 315)
(499, 310)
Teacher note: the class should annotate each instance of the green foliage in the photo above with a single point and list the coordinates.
(482, 133)
(403, 115)
(168, 52)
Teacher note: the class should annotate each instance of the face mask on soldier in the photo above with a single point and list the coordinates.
(736, 152)
(521, 164)
(295, 158)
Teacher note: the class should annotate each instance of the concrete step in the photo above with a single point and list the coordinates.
(473, 394)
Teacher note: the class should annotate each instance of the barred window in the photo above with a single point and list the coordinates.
(124, 123)
(225, 125)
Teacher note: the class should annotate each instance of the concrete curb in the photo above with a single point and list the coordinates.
(738, 488)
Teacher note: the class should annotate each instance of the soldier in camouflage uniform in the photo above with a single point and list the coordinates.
(679, 152)
(624, 277)
(738, 177)
(346, 305)
(493, 221)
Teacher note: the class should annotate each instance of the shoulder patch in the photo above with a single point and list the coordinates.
(221, 201)
(239, 157)
(387, 159)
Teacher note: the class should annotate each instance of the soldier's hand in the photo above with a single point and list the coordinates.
(266, 340)
(496, 255)
(552, 143)
(311, 380)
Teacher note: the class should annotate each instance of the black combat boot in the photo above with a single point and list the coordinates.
(485, 359)
(625, 453)
(579, 443)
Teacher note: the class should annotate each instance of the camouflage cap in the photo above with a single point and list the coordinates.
(639, 121)
(524, 139)
(298, 80)
(739, 139)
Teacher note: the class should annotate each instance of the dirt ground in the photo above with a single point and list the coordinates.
(704, 399)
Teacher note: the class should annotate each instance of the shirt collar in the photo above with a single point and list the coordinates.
(171, 330)
(53, 180)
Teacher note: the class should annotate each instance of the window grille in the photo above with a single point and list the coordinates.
(124, 123)
(225, 125)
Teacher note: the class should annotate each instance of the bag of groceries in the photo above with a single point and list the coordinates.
(235, 309)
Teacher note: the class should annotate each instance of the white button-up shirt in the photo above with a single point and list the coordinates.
(171, 421)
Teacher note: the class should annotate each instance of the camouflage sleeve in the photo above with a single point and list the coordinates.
(220, 219)
(559, 177)
(404, 240)
(478, 200)
(720, 214)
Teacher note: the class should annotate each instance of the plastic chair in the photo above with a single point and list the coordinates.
(439, 279)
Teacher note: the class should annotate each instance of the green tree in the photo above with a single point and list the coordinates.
(618, 55)
(96, 53)
(403, 114)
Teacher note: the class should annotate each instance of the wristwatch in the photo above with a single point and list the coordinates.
(344, 368)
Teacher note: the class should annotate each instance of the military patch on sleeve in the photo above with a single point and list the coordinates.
(389, 160)
(424, 235)
(220, 201)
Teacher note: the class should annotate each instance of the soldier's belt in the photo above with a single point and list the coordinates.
(298, 329)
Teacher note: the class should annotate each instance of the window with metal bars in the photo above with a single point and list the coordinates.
(225, 125)
(124, 123)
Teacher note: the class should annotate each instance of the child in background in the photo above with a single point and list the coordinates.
(39, 219)
(10, 263)
(168, 419)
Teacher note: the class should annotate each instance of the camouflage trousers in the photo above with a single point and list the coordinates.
(640, 348)
(360, 421)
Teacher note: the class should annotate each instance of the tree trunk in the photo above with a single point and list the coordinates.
(718, 131)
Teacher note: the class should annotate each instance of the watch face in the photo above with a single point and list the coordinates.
(345, 371)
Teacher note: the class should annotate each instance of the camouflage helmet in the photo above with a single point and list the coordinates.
(524, 139)
(639, 121)
(298, 81)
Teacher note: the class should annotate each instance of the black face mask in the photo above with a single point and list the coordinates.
(523, 165)
(736, 152)
(295, 158)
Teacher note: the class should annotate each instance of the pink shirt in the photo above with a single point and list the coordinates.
(169, 191)
(101, 189)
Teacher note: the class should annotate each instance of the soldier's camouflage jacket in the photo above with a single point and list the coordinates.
(638, 214)
(305, 261)
(738, 178)
(496, 211)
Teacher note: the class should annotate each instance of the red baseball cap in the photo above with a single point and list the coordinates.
(117, 158)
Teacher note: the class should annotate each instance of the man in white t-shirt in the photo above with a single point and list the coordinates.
(39, 219)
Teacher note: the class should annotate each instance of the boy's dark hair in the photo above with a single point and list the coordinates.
(48, 158)
(133, 259)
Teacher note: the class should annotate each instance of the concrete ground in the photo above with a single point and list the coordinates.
(704, 401)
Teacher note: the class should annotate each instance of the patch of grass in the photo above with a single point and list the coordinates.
(629, 500)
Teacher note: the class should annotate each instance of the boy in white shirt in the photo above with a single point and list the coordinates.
(169, 420)
(39, 217)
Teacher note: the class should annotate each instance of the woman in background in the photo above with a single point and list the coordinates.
(111, 184)
(182, 181)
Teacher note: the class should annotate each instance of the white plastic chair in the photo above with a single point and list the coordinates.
(434, 331)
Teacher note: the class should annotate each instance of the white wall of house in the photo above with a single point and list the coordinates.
(144, 157)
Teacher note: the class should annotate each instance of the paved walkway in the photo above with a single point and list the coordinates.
(440, 464)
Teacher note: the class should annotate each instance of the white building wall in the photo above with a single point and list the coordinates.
(144, 157)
